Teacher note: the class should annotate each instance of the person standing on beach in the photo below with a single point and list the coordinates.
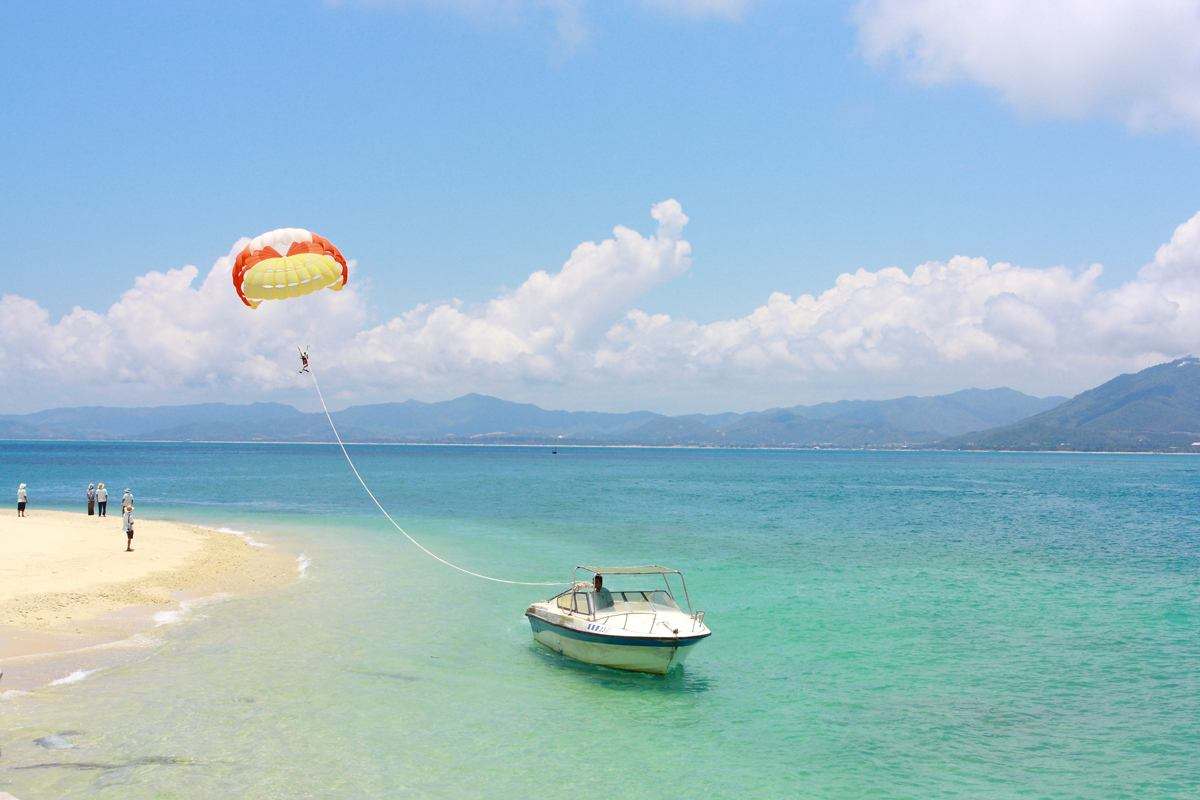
(127, 518)
(91, 498)
(22, 499)
(101, 500)
(127, 499)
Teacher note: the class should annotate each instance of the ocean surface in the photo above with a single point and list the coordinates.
(886, 625)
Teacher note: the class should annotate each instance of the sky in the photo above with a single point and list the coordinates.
(680, 205)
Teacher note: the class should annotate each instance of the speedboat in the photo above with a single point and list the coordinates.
(642, 629)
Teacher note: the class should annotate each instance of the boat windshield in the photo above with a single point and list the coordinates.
(646, 600)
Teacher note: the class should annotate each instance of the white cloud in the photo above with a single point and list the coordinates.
(1137, 61)
(576, 336)
(942, 326)
(535, 332)
(729, 9)
(166, 339)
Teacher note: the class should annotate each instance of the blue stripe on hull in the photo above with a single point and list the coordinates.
(538, 624)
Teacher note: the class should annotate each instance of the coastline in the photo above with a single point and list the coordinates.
(67, 586)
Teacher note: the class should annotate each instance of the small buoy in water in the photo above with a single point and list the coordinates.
(554, 452)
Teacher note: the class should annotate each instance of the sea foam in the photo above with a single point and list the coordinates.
(185, 608)
(74, 677)
(245, 537)
(168, 617)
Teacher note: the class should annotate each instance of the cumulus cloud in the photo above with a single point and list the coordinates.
(167, 338)
(541, 330)
(1137, 61)
(577, 337)
(945, 324)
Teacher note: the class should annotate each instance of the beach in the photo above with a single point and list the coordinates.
(66, 581)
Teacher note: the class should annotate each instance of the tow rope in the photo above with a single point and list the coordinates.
(396, 525)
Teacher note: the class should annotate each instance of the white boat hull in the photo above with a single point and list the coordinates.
(657, 656)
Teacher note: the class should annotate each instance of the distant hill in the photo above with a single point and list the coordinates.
(1156, 409)
(480, 417)
(474, 418)
(908, 421)
(203, 422)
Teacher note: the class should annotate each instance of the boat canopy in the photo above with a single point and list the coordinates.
(646, 569)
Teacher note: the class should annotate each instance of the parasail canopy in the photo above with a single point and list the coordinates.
(286, 263)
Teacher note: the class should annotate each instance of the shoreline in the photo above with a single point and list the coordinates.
(68, 588)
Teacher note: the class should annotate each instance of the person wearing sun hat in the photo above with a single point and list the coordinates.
(22, 499)
(127, 520)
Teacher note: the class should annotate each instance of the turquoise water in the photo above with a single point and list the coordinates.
(886, 625)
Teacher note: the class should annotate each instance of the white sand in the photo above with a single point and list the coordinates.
(64, 576)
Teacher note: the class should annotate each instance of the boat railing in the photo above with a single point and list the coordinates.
(626, 615)
(697, 619)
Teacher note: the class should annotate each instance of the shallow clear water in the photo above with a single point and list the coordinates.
(886, 625)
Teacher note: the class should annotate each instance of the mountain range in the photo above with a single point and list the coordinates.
(476, 418)
(1155, 409)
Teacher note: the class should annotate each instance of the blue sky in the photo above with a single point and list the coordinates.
(454, 148)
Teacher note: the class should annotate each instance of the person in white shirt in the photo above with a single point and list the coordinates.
(127, 499)
(101, 500)
(22, 499)
(127, 518)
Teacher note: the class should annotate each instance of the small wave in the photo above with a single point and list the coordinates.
(9, 694)
(74, 677)
(302, 564)
(185, 608)
(245, 537)
(138, 640)
(168, 617)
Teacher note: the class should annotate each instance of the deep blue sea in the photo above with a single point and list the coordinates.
(886, 625)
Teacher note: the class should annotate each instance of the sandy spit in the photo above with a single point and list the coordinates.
(65, 578)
